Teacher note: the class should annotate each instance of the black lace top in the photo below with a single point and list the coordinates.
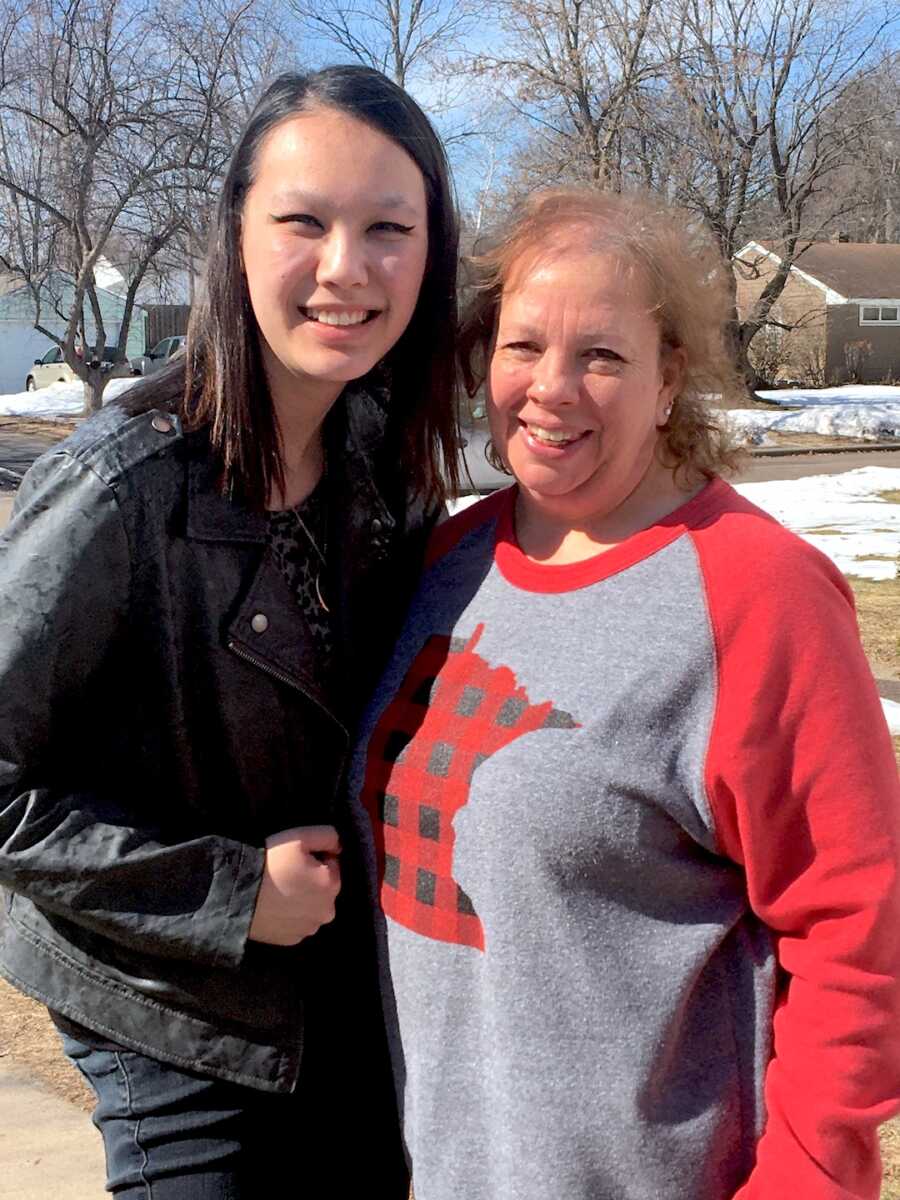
(301, 565)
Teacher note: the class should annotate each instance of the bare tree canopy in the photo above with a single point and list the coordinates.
(116, 120)
(572, 68)
(397, 37)
(749, 113)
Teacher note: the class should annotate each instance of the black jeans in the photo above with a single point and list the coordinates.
(171, 1134)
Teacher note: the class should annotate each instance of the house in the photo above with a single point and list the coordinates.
(21, 343)
(842, 300)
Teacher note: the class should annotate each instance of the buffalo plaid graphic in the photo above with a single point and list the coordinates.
(452, 712)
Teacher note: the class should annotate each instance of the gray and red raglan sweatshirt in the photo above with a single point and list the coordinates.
(634, 826)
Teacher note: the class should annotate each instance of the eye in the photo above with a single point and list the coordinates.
(305, 219)
(521, 349)
(391, 227)
(602, 354)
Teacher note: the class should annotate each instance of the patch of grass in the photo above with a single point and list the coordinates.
(892, 495)
(878, 613)
(825, 529)
(875, 557)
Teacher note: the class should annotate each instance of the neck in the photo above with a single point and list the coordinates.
(553, 538)
(301, 417)
(301, 405)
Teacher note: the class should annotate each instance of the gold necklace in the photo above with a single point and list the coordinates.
(315, 545)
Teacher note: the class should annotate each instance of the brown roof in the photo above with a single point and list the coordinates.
(858, 270)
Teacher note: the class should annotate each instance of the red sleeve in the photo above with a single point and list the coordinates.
(804, 793)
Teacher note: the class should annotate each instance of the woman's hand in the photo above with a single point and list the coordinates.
(300, 883)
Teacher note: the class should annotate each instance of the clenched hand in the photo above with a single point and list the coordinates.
(300, 883)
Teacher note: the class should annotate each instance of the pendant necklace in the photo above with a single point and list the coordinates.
(315, 545)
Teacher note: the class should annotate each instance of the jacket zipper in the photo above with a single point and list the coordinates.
(282, 677)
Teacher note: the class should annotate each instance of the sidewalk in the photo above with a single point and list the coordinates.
(49, 1150)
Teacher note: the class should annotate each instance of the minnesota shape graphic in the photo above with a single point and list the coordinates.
(452, 712)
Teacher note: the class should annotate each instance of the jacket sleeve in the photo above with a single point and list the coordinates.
(65, 573)
(804, 792)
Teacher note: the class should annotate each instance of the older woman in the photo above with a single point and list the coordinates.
(630, 804)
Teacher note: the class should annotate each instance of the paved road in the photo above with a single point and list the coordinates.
(49, 1150)
(760, 468)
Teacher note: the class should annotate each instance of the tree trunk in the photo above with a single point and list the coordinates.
(94, 386)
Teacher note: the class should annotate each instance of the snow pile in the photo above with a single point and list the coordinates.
(844, 516)
(850, 393)
(57, 400)
(892, 715)
(861, 411)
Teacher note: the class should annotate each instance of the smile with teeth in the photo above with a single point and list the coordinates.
(328, 316)
(552, 437)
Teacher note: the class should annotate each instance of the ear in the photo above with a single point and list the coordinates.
(672, 367)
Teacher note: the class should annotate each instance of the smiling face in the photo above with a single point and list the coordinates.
(577, 388)
(334, 240)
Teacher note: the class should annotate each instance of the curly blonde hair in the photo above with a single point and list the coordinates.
(682, 272)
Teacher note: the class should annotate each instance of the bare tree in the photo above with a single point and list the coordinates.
(753, 87)
(571, 68)
(398, 37)
(115, 124)
(867, 181)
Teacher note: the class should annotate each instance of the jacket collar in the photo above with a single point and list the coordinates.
(356, 435)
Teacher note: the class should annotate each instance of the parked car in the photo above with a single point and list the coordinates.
(53, 368)
(155, 359)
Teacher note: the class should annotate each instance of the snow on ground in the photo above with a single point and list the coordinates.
(844, 516)
(855, 411)
(57, 400)
(850, 393)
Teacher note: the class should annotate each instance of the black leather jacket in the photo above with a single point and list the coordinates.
(161, 714)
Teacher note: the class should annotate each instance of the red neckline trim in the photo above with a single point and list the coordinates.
(522, 572)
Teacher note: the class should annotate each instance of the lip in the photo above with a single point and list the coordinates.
(339, 333)
(544, 449)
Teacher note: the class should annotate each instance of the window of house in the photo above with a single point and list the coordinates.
(879, 314)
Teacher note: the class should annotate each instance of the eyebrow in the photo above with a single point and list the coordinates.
(527, 332)
(312, 199)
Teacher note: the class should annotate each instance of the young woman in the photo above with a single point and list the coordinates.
(197, 587)
(630, 804)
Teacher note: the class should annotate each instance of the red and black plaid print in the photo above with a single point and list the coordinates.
(452, 712)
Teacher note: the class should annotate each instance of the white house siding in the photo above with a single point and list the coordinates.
(21, 344)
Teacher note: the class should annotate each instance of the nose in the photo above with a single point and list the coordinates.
(342, 260)
(551, 384)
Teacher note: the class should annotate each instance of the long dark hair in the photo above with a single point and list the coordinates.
(220, 383)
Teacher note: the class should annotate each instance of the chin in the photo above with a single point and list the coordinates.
(543, 482)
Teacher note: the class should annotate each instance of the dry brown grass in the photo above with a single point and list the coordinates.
(28, 1036)
(878, 613)
(890, 1151)
(58, 428)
